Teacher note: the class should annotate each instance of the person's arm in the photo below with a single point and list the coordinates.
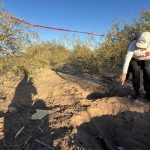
(128, 58)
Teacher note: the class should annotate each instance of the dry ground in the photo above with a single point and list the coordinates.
(84, 113)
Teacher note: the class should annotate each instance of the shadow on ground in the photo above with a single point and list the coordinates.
(18, 131)
(126, 130)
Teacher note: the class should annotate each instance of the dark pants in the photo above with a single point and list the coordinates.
(136, 66)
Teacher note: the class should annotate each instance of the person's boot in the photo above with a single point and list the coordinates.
(147, 96)
(136, 95)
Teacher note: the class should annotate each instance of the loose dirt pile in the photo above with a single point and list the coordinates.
(84, 113)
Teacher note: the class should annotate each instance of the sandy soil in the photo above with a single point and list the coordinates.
(84, 113)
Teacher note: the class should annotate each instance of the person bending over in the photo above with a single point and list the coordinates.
(138, 56)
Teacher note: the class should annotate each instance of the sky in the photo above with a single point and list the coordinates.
(83, 15)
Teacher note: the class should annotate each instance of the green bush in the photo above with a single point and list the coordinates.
(21, 54)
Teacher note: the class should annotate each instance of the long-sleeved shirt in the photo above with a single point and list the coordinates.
(134, 52)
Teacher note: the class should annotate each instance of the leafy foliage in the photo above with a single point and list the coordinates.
(14, 36)
(18, 53)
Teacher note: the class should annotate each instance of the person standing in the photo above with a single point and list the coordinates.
(138, 57)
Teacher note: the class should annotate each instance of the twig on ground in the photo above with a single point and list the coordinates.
(50, 148)
(19, 132)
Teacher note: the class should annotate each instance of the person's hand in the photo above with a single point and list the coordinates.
(123, 78)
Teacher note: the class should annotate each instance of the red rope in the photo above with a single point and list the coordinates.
(52, 28)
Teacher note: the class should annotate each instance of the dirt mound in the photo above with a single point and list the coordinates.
(111, 106)
(83, 113)
(113, 123)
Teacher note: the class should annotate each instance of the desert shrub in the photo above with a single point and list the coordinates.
(80, 56)
(17, 51)
(112, 51)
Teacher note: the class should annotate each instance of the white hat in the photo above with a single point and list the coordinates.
(143, 40)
